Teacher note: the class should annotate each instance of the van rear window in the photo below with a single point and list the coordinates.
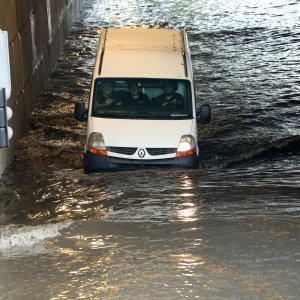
(142, 98)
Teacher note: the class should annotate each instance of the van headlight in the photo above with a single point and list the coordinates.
(187, 146)
(96, 144)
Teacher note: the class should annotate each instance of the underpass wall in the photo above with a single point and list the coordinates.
(37, 30)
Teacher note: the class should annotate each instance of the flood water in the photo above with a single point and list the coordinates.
(229, 230)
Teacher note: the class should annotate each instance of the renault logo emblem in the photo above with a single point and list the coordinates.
(141, 153)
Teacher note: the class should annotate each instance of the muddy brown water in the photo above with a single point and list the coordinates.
(229, 230)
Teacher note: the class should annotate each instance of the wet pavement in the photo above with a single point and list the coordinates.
(229, 230)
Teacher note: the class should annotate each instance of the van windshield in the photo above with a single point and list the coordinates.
(142, 98)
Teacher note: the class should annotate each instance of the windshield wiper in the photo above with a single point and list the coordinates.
(143, 115)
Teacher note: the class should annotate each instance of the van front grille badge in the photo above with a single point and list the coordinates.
(141, 153)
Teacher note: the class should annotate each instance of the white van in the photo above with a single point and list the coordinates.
(142, 108)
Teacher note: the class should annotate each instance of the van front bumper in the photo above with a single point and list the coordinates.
(95, 162)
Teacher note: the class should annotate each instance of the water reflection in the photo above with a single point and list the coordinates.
(188, 213)
(154, 195)
(187, 263)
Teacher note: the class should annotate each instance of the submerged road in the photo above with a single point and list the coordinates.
(229, 230)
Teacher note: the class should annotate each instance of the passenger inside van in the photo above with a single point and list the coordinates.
(135, 96)
(170, 98)
(105, 96)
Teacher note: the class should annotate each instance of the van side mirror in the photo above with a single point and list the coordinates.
(204, 114)
(80, 112)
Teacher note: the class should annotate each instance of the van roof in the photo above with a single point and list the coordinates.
(137, 52)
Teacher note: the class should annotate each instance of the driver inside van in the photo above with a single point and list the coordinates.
(105, 96)
(170, 98)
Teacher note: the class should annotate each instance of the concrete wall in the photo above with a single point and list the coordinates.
(37, 30)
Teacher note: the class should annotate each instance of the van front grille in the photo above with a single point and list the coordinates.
(151, 151)
(122, 150)
(160, 151)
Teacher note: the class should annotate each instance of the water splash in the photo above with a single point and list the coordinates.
(15, 237)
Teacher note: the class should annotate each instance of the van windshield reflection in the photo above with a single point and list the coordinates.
(142, 99)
